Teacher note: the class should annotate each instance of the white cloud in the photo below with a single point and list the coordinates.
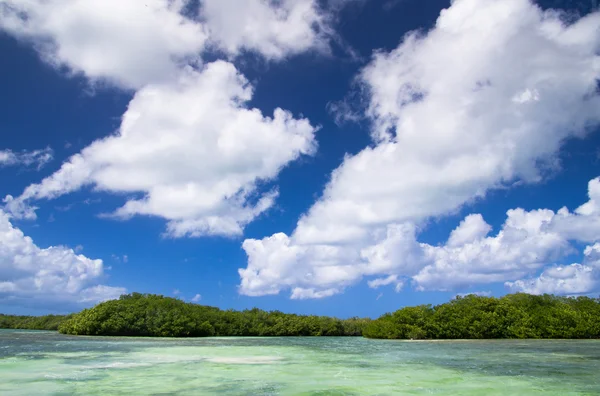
(36, 158)
(134, 43)
(119, 259)
(19, 208)
(129, 43)
(56, 274)
(472, 228)
(99, 293)
(447, 129)
(274, 29)
(398, 251)
(187, 141)
(392, 279)
(527, 242)
(299, 293)
(196, 298)
(194, 150)
(188, 148)
(476, 293)
(563, 279)
(176, 292)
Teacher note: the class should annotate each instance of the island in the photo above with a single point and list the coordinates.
(519, 315)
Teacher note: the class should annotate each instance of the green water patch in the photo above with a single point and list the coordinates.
(297, 366)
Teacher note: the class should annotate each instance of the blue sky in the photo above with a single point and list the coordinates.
(141, 151)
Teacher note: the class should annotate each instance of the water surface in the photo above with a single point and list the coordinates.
(47, 363)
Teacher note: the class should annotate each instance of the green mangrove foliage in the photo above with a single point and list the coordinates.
(512, 316)
(471, 317)
(48, 322)
(153, 315)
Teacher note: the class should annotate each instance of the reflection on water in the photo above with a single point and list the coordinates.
(46, 363)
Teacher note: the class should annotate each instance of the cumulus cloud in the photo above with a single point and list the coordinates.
(196, 298)
(35, 158)
(565, 279)
(34, 275)
(193, 149)
(188, 148)
(274, 29)
(134, 43)
(527, 242)
(472, 228)
(484, 99)
(129, 43)
(299, 293)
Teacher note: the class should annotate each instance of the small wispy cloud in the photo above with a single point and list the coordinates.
(390, 4)
(64, 208)
(343, 111)
(35, 158)
(196, 298)
(477, 293)
(120, 259)
(88, 201)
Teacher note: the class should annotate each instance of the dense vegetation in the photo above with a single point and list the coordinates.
(152, 315)
(48, 322)
(512, 316)
(471, 317)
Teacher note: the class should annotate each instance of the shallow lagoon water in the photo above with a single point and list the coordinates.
(47, 363)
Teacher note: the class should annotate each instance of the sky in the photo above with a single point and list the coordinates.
(340, 157)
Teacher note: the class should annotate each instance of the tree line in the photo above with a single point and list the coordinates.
(47, 322)
(471, 317)
(158, 316)
(512, 316)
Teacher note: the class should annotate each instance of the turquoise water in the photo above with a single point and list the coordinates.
(46, 363)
